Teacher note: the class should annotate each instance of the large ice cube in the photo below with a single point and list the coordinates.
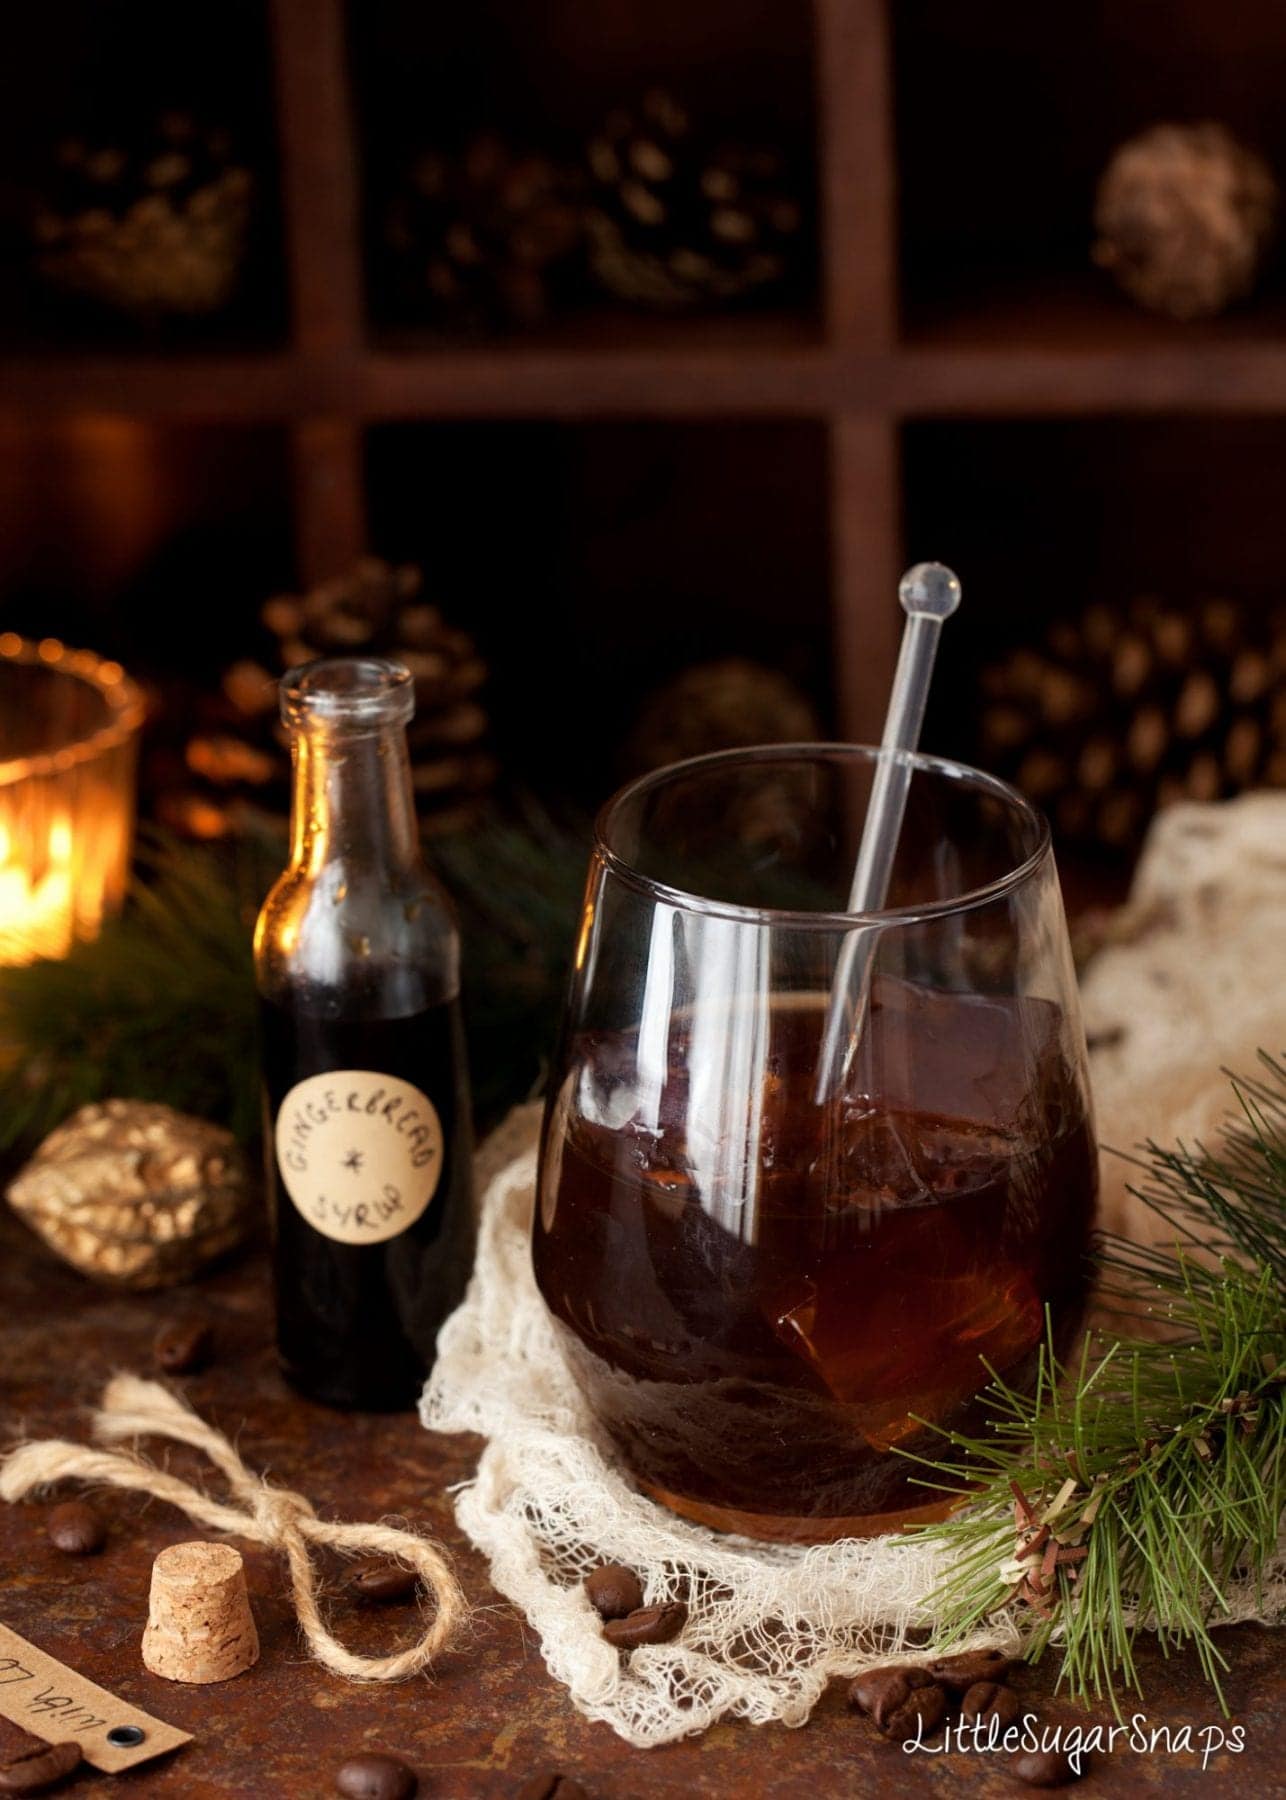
(969, 1056)
(892, 1353)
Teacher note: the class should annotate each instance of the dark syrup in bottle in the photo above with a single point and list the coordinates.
(356, 1322)
(366, 1119)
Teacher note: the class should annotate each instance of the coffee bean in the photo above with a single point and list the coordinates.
(879, 1692)
(919, 1715)
(647, 1625)
(550, 1785)
(380, 1583)
(614, 1591)
(76, 1529)
(183, 1346)
(988, 1700)
(43, 1766)
(961, 1672)
(376, 1777)
(1044, 1768)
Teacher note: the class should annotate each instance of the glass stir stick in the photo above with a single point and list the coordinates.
(929, 593)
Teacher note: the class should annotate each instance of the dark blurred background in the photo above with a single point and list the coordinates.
(614, 360)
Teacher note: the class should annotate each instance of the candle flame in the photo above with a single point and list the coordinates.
(37, 915)
(66, 799)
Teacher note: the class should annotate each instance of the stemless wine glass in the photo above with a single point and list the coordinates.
(763, 1283)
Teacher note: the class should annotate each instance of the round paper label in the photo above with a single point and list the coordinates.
(360, 1154)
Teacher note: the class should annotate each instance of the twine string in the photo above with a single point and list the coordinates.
(277, 1517)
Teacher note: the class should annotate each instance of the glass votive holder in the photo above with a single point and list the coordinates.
(69, 731)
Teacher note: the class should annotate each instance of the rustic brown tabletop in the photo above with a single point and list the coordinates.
(491, 1716)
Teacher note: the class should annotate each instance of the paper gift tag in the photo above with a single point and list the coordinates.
(53, 1702)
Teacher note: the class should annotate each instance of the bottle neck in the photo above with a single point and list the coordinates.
(352, 803)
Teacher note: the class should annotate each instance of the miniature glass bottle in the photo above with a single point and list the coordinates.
(368, 1140)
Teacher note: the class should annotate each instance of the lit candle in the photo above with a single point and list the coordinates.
(69, 726)
(36, 906)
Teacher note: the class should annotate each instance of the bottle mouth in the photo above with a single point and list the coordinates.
(348, 692)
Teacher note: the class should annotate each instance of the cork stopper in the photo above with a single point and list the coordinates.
(199, 1624)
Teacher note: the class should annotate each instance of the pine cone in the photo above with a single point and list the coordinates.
(725, 706)
(242, 758)
(676, 222)
(1117, 714)
(154, 231)
(484, 240)
(719, 706)
(1185, 216)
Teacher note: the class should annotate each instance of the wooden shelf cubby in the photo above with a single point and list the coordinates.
(1110, 509)
(607, 555)
(104, 74)
(167, 513)
(953, 153)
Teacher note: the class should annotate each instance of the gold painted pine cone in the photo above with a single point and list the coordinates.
(135, 1194)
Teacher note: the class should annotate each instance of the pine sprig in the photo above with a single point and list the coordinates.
(1130, 1493)
(161, 1006)
(517, 883)
(1232, 1199)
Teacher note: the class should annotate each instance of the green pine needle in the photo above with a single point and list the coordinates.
(161, 1006)
(1157, 1468)
(517, 883)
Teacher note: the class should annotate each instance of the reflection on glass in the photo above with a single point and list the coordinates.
(761, 1294)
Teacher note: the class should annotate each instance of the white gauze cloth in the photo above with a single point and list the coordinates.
(768, 1625)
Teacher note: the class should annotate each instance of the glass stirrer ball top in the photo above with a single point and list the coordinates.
(818, 1150)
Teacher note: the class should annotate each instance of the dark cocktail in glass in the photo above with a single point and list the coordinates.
(762, 1286)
